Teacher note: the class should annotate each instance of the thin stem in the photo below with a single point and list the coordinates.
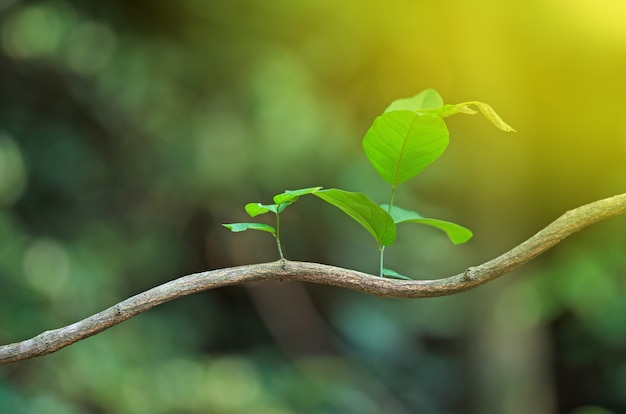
(391, 198)
(277, 236)
(382, 248)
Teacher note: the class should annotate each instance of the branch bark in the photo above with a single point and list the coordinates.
(569, 223)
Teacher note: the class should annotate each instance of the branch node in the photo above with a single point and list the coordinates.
(467, 275)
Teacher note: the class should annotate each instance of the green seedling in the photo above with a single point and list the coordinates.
(281, 202)
(406, 138)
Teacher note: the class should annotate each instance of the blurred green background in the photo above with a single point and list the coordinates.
(129, 130)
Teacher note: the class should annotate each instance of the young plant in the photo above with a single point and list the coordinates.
(407, 137)
(281, 202)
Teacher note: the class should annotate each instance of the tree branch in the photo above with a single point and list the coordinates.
(569, 223)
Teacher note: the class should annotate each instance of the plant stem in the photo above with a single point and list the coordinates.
(391, 199)
(277, 236)
(382, 248)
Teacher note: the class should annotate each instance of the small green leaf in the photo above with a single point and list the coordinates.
(255, 209)
(458, 109)
(493, 117)
(283, 206)
(367, 213)
(484, 109)
(400, 144)
(237, 227)
(429, 102)
(426, 99)
(293, 195)
(393, 274)
(448, 110)
(456, 233)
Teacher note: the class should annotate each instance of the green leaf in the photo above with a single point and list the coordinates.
(429, 102)
(492, 116)
(448, 110)
(395, 275)
(293, 195)
(400, 144)
(283, 206)
(367, 213)
(426, 99)
(484, 109)
(456, 233)
(255, 209)
(237, 227)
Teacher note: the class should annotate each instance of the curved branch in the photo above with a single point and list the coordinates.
(569, 223)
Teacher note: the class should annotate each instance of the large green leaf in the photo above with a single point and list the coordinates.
(400, 144)
(426, 99)
(293, 195)
(237, 227)
(456, 233)
(367, 213)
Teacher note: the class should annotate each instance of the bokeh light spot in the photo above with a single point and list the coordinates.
(34, 32)
(231, 383)
(88, 47)
(12, 171)
(46, 266)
